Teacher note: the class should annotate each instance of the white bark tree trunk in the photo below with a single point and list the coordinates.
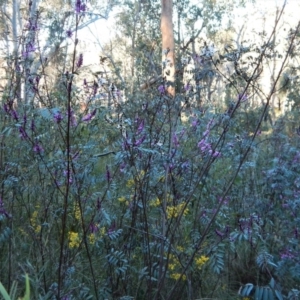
(168, 45)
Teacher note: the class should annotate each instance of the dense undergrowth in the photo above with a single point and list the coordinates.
(151, 198)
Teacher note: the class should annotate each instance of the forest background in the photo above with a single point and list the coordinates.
(163, 166)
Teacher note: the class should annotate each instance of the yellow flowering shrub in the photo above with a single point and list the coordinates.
(173, 211)
(200, 261)
(102, 231)
(123, 200)
(34, 222)
(155, 203)
(73, 238)
(130, 183)
(172, 266)
(176, 276)
(158, 202)
(77, 213)
(180, 248)
(92, 238)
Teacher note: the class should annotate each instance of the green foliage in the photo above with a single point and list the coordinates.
(13, 291)
(268, 292)
(138, 195)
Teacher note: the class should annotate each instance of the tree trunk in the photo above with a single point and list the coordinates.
(168, 45)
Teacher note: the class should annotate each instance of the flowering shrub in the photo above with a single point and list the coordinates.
(157, 197)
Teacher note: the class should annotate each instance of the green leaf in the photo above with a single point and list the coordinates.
(13, 290)
(27, 291)
(248, 289)
(265, 294)
(272, 283)
(271, 295)
(278, 295)
(4, 292)
(258, 293)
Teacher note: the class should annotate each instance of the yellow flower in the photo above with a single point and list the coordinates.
(130, 183)
(180, 248)
(155, 203)
(177, 210)
(142, 174)
(92, 238)
(176, 276)
(121, 199)
(74, 240)
(200, 261)
(102, 231)
(34, 222)
(77, 213)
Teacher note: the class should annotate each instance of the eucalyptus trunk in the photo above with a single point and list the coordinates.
(168, 45)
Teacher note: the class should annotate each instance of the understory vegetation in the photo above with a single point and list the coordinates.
(111, 189)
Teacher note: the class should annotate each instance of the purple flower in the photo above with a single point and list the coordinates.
(242, 97)
(187, 87)
(144, 106)
(185, 165)
(80, 60)
(162, 89)
(141, 127)
(195, 122)
(72, 117)
(28, 48)
(225, 201)
(15, 116)
(37, 148)
(219, 233)
(32, 25)
(108, 176)
(75, 155)
(68, 175)
(175, 140)
(32, 125)
(98, 204)
(296, 158)
(122, 167)
(89, 116)
(6, 108)
(296, 233)
(197, 59)
(94, 228)
(3, 210)
(206, 133)
(216, 154)
(287, 254)
(204, 146)
(69, 33)
(95, 89)
(112, 228)
(18, 68)
(118, 93)
(58, 117)
(210, 123)
(23, 134)
(140, 141)
(79, 7)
